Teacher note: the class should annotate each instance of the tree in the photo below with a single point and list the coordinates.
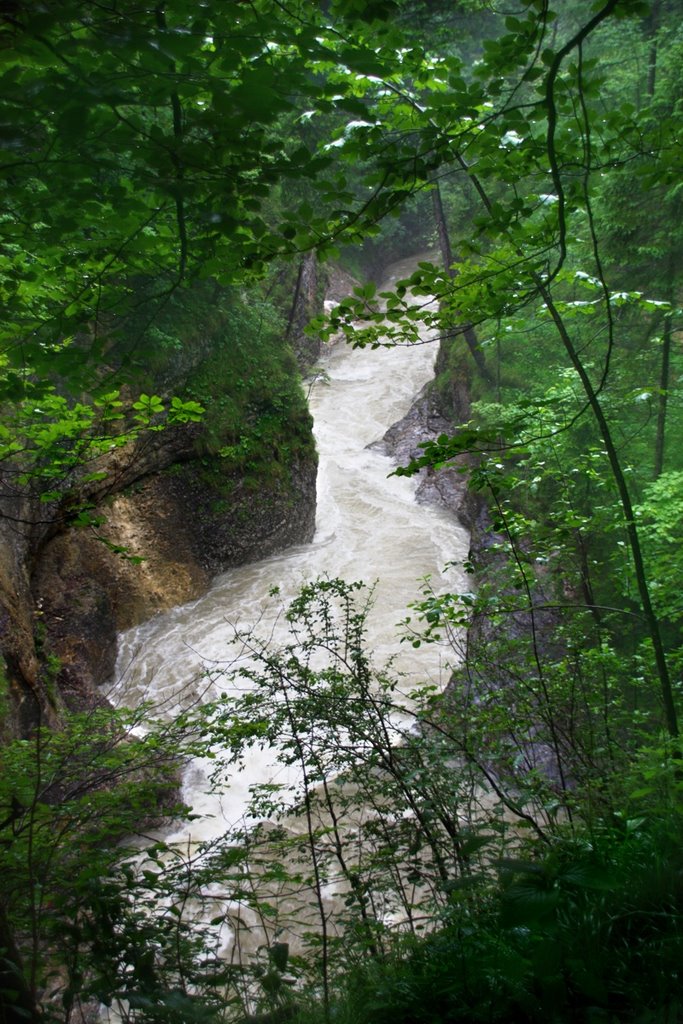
(528, 119)
(71, 801)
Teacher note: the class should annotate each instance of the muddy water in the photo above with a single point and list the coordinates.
(369, 527)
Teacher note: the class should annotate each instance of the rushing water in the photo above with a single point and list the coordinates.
(369, 527)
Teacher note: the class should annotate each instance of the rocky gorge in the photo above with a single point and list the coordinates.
(172, 509)
(173, 518)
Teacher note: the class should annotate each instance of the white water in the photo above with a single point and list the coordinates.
(369, 527)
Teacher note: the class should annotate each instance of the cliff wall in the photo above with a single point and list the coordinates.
(177, 508)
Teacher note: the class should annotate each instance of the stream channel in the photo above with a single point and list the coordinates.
(369, 527)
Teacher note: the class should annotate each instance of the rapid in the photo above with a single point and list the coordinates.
(369, 527)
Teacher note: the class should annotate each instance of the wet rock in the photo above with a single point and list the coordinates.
(86, 593)
(425, 422)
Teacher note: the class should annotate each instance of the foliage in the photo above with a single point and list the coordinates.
(534, 278)
(587, 933)
(163, 127)
(406, 867)
(74, 899)
(57, 449)
(660, 510)
(458, 864)
(256, 417)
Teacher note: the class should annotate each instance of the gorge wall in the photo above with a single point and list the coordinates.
(177, 507)
(186, 534)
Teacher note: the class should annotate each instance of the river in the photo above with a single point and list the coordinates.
(369, 526)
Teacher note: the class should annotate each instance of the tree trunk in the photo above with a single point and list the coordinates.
(662, 399)
(652, 25)
(449, 264)
(303, 309)
(17, 1005)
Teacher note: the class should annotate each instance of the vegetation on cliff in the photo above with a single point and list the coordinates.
(128, 346)
(515, 854)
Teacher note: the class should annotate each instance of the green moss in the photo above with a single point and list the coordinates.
(257, 420)
(226, 349)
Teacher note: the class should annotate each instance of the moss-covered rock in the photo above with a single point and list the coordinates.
(188, 502)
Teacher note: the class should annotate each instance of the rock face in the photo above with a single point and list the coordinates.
(423, 422)
(178, 507)
(22, 696)
(441, 410)
(85, 593)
